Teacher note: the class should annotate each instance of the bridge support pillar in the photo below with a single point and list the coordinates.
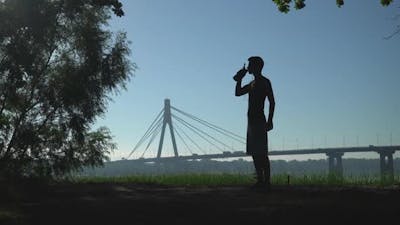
(386, 164)
(167, 121)
(335, 164)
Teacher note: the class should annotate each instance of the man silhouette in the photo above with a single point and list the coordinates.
(257, 126)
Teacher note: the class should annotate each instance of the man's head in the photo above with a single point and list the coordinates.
(256, 64)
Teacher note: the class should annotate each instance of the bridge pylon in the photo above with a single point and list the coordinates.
(335, 163)
(167, 120)
(386, 164)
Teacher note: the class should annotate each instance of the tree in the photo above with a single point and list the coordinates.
(59, 65)
(284, 5)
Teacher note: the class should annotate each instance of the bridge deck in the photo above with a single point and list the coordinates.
(238, 154)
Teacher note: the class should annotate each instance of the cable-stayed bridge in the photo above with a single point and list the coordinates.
(197, 133)
(193, 135)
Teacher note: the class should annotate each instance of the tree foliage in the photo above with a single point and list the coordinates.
(59, 64)
(284, 5)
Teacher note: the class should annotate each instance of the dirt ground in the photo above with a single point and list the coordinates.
(152, 204)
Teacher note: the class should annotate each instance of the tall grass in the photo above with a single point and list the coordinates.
(329, 179)
(178, 179)
(240, 179)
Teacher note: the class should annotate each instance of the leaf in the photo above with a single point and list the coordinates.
(299, 4)
(339, 3)
(386, 2)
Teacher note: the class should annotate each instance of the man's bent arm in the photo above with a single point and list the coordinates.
(239, 91)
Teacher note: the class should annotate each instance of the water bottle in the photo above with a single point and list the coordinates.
(241, 73)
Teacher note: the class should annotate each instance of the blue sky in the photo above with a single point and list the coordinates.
(335, 79)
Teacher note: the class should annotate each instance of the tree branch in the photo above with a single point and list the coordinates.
(2, 60)
(16, 128)
(3, 91)
(47, 118)
(23, 114)
(41, 127)
(3, 105)
(397, 31)
(46, 65)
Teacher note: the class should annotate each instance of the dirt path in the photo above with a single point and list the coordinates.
(149, 204)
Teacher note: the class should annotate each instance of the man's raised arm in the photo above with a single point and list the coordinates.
(239, 91)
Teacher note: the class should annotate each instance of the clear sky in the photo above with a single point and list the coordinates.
(335, 79)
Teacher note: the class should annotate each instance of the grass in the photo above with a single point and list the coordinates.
(9, 215)
(331, 180)
(175, 180)
(239, 179)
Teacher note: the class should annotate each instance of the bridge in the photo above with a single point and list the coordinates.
(168, 113)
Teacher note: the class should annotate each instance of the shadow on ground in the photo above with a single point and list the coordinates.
(152, 204)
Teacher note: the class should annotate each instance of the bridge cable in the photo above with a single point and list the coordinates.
(212, 126)
(152, 138)
(205, 133)
(184, 142)
(146, 134)
(200, 135)
(197, 130)
(155, 133)
(188, 137)
(158, 123)
(159, 117)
